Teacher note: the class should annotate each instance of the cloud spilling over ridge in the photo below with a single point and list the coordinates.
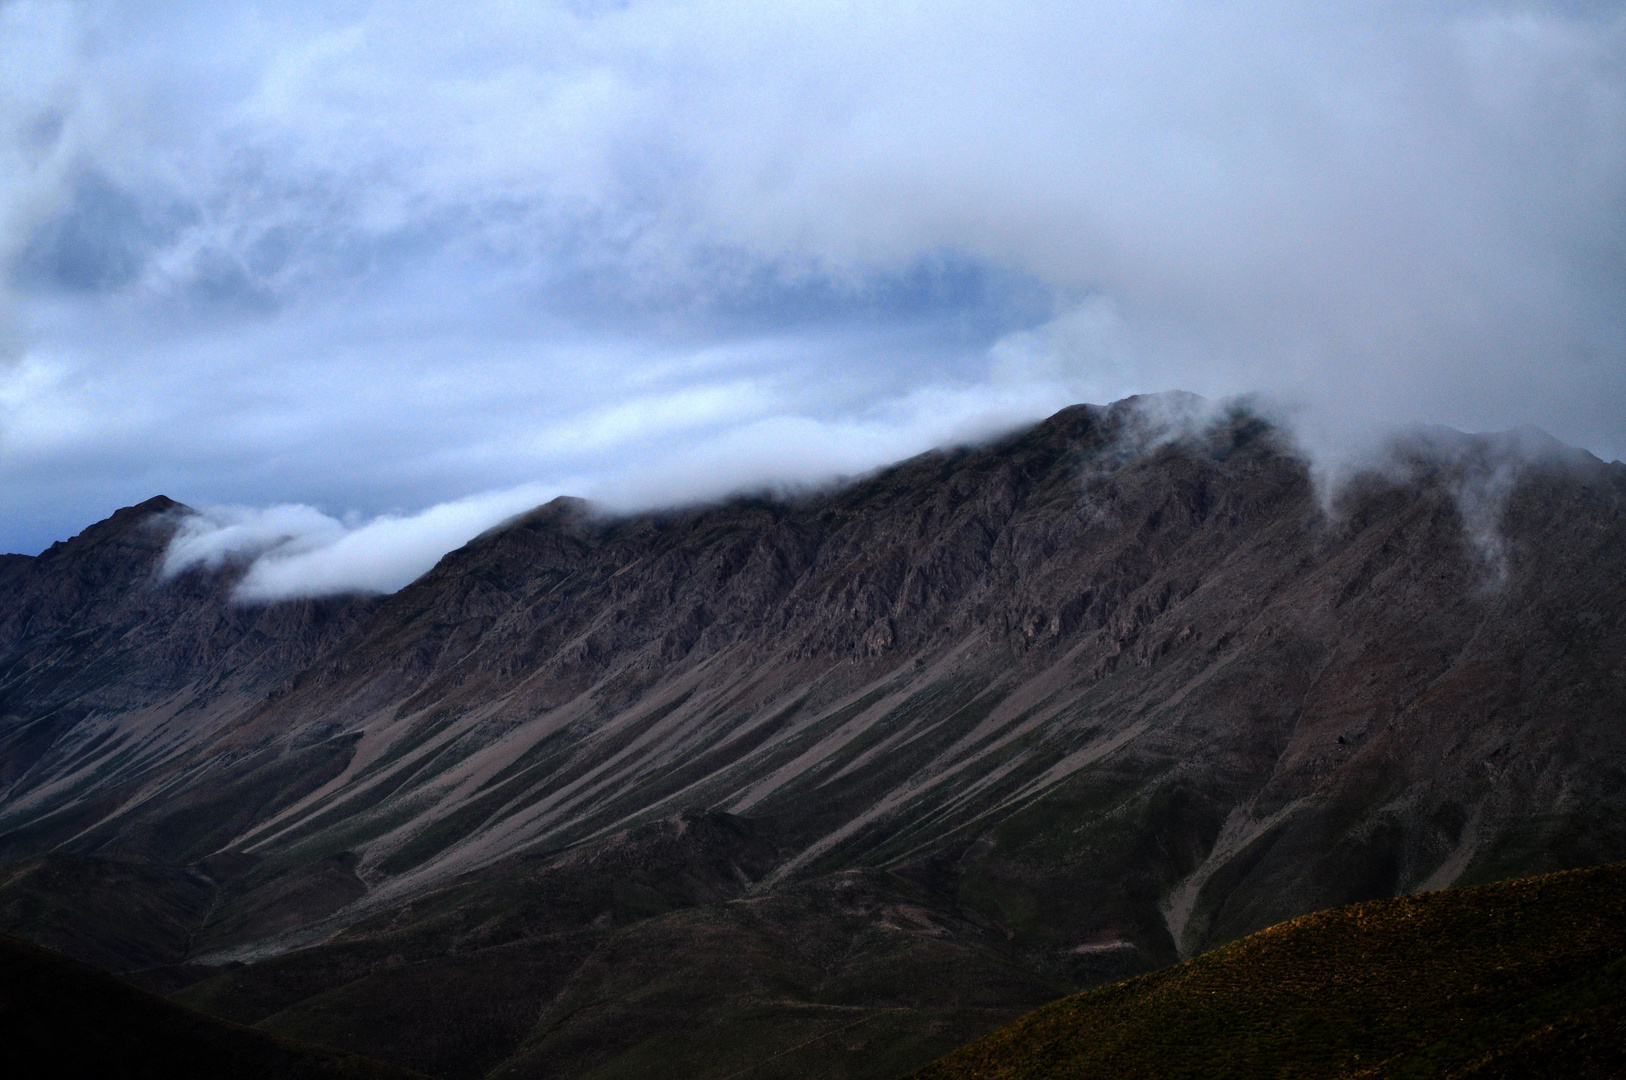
(293, 550)
(296, 550)
(383, 255)
(1480, 471)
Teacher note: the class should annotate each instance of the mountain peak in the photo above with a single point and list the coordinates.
(156, 505)
(1103, 693)
(123, 524)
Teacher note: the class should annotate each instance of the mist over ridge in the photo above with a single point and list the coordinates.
(374, 258)
(635, 590)
(923, 750)
(293, 551)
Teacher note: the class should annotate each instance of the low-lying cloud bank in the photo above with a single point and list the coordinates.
(295, 551)
(298, 551)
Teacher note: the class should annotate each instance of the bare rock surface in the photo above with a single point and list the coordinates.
(1063, 707)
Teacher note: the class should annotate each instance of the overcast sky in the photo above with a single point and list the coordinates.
(413, 269)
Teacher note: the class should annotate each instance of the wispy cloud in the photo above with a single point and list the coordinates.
(293, 550)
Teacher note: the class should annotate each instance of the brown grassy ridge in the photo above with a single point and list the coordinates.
(1520, 978)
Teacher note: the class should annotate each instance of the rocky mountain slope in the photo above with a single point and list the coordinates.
(1032, 715)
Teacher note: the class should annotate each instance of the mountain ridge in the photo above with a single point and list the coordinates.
(1099, 694)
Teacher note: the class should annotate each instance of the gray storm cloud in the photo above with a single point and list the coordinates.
(384, 255)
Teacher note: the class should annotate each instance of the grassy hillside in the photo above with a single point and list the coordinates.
(1516, 979)
(69, 1019)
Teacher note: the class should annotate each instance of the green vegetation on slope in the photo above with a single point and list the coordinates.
(71, 1020)
(1516, 979)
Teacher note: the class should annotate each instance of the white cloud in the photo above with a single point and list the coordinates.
(294, 550)
(214, 536)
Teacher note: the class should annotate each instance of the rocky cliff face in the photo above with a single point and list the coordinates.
(1065, 707)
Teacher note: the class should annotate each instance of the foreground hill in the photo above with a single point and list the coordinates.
(645, 954)
(916, 754)
(59, 1017)
(1518, 979)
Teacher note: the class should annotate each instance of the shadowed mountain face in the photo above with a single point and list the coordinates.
(60, 1017)
(879, 767)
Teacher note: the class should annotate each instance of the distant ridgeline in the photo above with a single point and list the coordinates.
(826, 785)
(1521, 979)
